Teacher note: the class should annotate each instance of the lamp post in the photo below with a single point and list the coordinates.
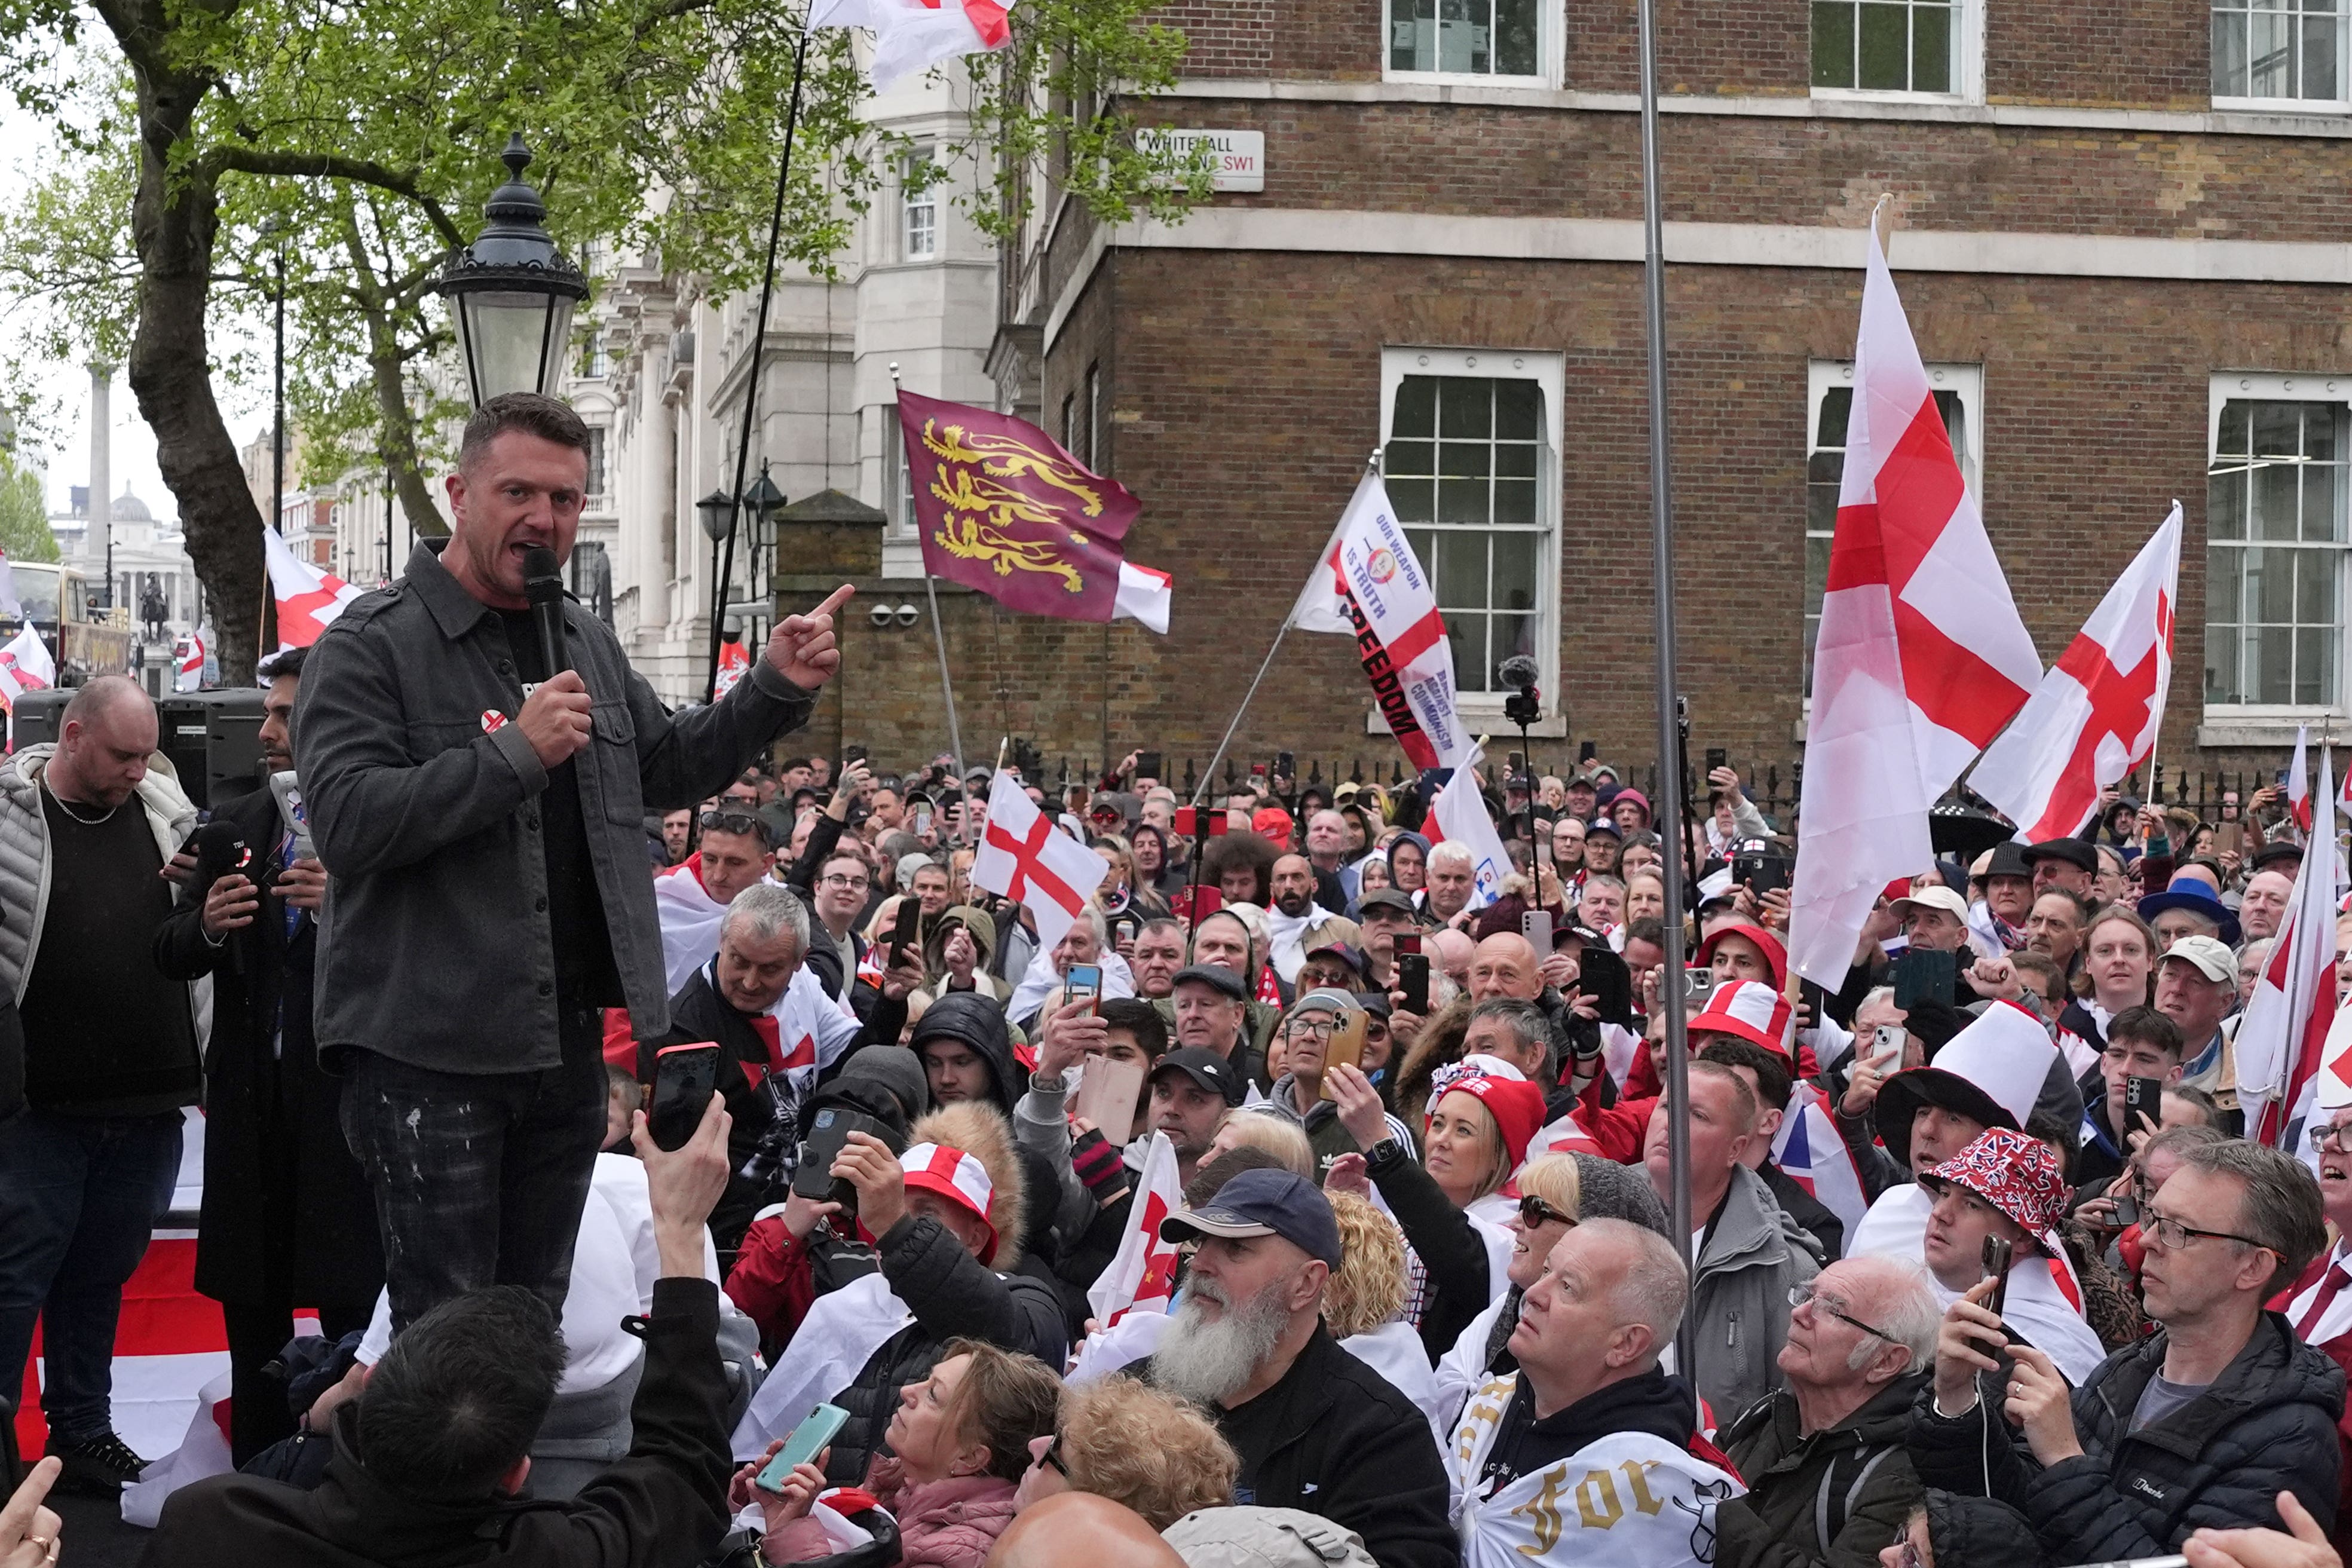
(512, 293)
(763, 501)
(717, 510)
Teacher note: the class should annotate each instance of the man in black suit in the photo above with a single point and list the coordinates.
(286, 1220)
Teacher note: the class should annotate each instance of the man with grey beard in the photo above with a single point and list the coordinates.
(1316, 1428)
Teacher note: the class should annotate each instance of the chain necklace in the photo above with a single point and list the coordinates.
(66, 806)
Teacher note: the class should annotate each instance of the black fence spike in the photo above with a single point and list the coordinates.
(1355, 774)
(1192, 780)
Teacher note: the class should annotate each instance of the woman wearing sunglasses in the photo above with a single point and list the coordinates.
(1550, 1202)
(1125, 1440)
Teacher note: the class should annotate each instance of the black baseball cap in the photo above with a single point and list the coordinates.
(1387, 899)
(1215, 974)
(1205, 1067)
(1376, 1002)
(1263, 1202)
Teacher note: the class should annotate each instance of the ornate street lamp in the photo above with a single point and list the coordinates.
(512, 293)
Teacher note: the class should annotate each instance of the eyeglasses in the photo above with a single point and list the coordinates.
(1910, 1549)
(1319, 1027)
(1054, 1456)
(2172, 1233)
(1803, 1294)
(2336, 1132)
(1533, 1211)
(841, 881)
(732, 822)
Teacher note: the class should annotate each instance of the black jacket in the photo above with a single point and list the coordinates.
(2267, 1424)
(1350, 1448)
(953, 1296)
(287, 1214)
(665, 1506)
(425, 803)
(1854, 1477)
(1449, 1246)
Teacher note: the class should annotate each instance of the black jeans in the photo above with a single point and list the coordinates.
(479, 1178)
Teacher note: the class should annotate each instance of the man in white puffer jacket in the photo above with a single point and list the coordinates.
(1589, 1453)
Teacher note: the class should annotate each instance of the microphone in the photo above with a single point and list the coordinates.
(543, 584)
(1518, 670)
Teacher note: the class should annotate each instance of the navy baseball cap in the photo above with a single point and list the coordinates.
(1205, 1067)
(1215, 975)
(1263, 1202)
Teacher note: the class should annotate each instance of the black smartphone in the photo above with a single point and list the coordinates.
(1588, 750)
(1609, 981)
(906, 927)
(1924, 976)
(1518, 762)
(1717, 757)
(853, 754)
(1814, 998)
(1413, 979)
(2142, 1097)
(828, 1134)
(684, 1077)
(1997, 1254)
(1147, 765)
(1286, 765)
(1761, 871)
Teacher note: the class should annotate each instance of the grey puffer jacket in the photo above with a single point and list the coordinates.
(2266, 1424)
(1739, 1297)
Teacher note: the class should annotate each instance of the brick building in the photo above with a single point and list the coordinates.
(2121, 240)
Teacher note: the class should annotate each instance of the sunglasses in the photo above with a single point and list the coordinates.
(1054, 1456)
(1533, 1211)
(733, 821)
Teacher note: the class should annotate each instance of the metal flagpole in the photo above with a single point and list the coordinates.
(758, 344)
(1210, 772)
(1669, 805)
(940, 636)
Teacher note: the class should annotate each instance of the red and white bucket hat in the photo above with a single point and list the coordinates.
(956, 1177)
(1751, 1010)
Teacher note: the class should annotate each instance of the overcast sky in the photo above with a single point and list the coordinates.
(24, 143)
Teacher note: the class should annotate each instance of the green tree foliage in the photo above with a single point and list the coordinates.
(359, 141)
(23, 514)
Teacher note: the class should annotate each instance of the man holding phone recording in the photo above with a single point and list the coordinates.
(2201, 1425)
(480, 809)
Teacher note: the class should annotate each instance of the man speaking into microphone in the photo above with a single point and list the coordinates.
(480, 816)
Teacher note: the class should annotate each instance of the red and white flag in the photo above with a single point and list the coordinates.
(24, 666)
(1142, 1274)
(1145, 595)
(2095, 714)
(1921, 657)
(308, 598)
(2285, 1037)
(1459, 816)
(2299, 785)
(1368, 585)
(191, 664)
(1024, 857)
(912, 36)
(734, 664)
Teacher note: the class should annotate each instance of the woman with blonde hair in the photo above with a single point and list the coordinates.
(1551, 1199)
(1277, 1135)
(1363, 1302)
(1127, 1441)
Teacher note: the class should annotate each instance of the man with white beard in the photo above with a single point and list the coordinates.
(1315, 1428)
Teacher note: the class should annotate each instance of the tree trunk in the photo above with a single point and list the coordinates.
(389, 366)
(175, 218)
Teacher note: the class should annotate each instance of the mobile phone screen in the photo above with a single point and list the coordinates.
(1413, 979)
(1083, 983)
(684, 1077)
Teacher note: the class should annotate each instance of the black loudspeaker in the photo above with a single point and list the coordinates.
(38, 715)
(213, 741)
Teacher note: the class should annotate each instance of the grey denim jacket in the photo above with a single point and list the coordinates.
(435, 946)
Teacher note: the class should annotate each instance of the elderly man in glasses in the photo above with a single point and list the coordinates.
(1828, 1478)
(2202, 1424)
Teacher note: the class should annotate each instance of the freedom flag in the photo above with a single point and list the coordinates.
(1460, 815)
(1142, 1274)
(1809, 1150)
(2095, 714)
(308, 598)
(912, 36)
(24, 666)
(1024, 857)
(1368, 585)
(2287, 1030)
(1003, 510)
(1920, 658)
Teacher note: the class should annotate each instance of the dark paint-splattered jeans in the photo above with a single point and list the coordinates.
(479, 1178)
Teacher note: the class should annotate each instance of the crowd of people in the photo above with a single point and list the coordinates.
(1982, 1268)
